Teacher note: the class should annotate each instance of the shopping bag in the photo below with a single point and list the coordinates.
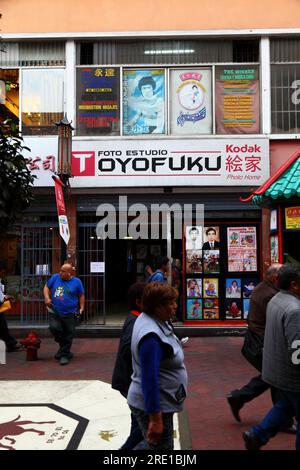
(5, 306)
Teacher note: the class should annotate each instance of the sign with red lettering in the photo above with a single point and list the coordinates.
(61, 211)
(292, 218)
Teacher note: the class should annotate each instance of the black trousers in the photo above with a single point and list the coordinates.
(62, 328)
(9, 340)
(255, 387)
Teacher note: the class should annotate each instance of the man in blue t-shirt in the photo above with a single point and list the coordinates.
(64, 296)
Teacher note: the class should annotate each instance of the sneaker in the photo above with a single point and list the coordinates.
(58, 355)
(64, 360)
(235, 406)
(184, 340)
(252, 442)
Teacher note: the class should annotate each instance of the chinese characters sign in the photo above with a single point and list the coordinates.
(190, 102)
(143, 102)
(237, 100)
(98, 110)
(292, 218)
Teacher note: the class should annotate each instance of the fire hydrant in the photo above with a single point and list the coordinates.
(32, 343)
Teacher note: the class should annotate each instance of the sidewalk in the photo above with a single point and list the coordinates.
(215, 366)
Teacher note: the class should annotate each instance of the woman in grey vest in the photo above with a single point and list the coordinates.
(159, 379)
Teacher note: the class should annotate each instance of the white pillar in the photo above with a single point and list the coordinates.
(265, 80)
(70, 92)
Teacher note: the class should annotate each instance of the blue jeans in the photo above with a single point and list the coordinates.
(282, 411)
(166, 442)
(135, 436)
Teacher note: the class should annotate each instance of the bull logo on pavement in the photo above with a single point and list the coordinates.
(14, 428)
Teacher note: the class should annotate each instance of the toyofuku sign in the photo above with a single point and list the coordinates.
(217, 162)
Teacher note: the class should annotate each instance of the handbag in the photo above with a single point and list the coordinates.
(5, 306)
(252, 349)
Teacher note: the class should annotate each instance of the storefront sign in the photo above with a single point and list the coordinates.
(292, 218)
(237, 100)
(97, 105)
(207, 162)
(42, 158)
(190, 102)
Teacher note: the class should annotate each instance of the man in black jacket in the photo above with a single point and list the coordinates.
(121, 378)
(259, 300)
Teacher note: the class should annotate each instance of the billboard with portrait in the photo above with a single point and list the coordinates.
(143, 101)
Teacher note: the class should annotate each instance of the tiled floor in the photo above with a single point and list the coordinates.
(215, 366)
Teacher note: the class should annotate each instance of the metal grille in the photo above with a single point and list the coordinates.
(91, 250)
(40, 258)
(285, 95)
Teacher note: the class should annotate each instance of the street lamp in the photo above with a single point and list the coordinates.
(64, 165)
(64, 170)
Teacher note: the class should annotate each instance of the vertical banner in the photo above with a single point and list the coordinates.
(98, 101)
(143, 102)
(61, 211)
(190, 101)
(237, 100)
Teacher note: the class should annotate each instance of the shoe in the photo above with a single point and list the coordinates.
(252, 442)
(64, 360)
(235, 406)
(58, 355)
(184, 340)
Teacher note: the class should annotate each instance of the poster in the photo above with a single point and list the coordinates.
(233, 309)
(292, 218)
(211, 309)
(143, 102)
(274, 249)
(191, 101)
(237, 100)
(193, 261)
(273, 219)
(211, 238)
(210, 288)
(193, 237)
(193, 287)
(211, 261)
(241, 243)
(194, 309)
(233, 288)
(246, 305)
(98, 101)
(248, 286)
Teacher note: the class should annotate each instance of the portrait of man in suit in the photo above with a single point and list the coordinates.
(212, 242)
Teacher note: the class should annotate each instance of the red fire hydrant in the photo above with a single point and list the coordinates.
(32, 343)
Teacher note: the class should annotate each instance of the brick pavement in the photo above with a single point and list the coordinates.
(215, 366)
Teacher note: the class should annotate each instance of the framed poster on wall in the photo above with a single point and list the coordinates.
(242, 249)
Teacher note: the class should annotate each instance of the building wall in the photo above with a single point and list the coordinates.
(141, 15)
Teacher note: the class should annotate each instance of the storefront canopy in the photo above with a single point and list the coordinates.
(283, 185)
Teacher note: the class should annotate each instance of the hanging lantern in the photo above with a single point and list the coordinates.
(64, 166)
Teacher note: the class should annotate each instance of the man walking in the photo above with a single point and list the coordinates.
(64, 296)
(259, 300)
(281, 359)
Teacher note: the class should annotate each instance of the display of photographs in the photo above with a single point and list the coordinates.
(233, 309)
(211, 238)
(193, 261)
(248, 286)
(240, 260)
(194, 309)
(244, 237)
(194, 287)
(193, 237)
(210, 287)
(274, 249)
(233, 288)
(211, 261)
(246, 304)
(143, 101)
(273, 219)
(141, 251)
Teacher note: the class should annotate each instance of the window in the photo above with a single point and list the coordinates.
(42, 100)
(9, 95)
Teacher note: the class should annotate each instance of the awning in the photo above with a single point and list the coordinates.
(283, 185)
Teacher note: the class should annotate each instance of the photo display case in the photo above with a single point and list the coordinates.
(221, 269)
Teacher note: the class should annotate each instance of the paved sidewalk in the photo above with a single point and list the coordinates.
(215, 366)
